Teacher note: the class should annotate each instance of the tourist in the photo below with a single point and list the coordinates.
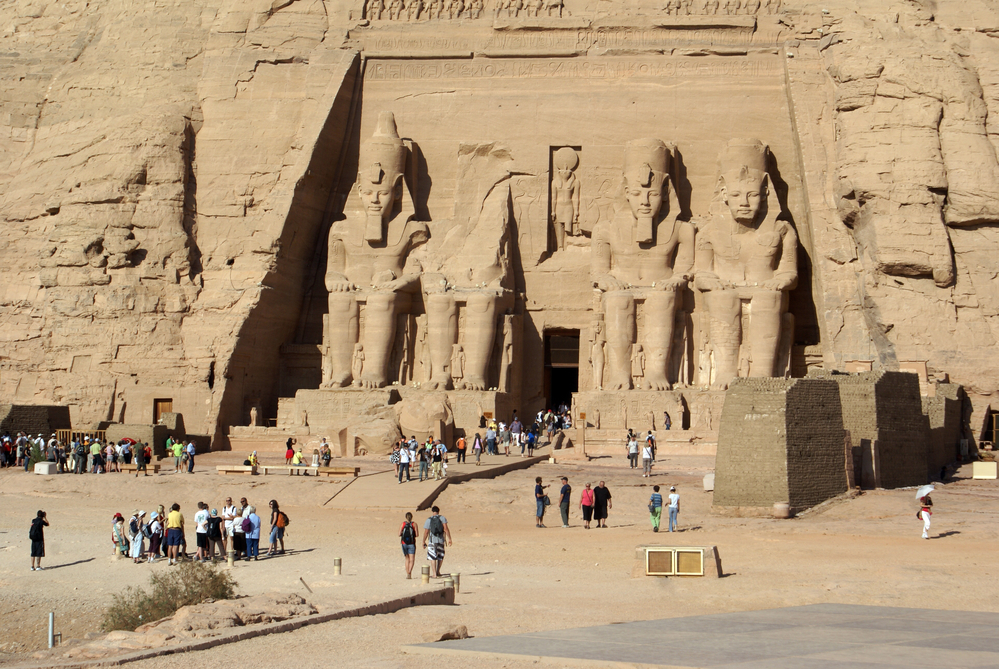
(404, 459)
(175, 532)
(215, 536)
(408, 534)
(516, 429)
(163, 516)
(477, 449)
(325, 453)
(601, 503)
(37, 536)
(118, 535)
(540, 497)
(667, 421)
(674, 508)
(563, 501)
(80, 454)
(135, 536)
(586, 504)
(491, 441)
(646, 460)
(111, 458)
(550, 427)
(505, 437)
(140, 461)
(190, 456)
(238, 535)
(531, 441)
(289, 452)
(298, 460)
(277, 528)
(655, 508)
(460, 446)
(424, 459)
(178, 456)
(228, 515)
(437, 533)
(632, 450)
(252, 533)
(155, 536)
(437, 462)
(650, 441)
(925, 513)
(252, 461)
(95, 452)
(201, 531)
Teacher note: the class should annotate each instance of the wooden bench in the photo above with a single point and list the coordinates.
(291, 470)
(236, 469)
(339, 471)
(131, 468)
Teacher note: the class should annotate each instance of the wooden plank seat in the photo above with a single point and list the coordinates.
(291, 470)
(236, 469)
(155, 469)
(339, 471)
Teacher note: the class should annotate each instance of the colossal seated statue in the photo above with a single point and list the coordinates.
(643, 253)
(745, 265)
(369, 262)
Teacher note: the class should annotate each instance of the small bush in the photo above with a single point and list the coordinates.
(35, 455)
(189, 583)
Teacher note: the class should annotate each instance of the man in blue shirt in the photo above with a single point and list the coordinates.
(655, 508)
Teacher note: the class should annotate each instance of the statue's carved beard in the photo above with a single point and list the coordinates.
(373, 227)
(643, 229)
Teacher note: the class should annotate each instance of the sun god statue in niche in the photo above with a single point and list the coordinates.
(745, 265)
(643, 253)
(368, 262)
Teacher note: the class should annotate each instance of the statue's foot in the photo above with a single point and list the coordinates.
(371, 384)
(341, 381)
(659, 385)
(619, 386)
(436, 384)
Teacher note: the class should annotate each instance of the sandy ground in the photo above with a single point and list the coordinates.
(515, 578)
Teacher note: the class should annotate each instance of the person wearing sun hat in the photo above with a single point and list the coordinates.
(135, 534)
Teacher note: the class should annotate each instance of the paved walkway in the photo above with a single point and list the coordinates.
(819, 636)
(383, 490)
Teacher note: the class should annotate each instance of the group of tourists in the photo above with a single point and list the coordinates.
(296, 458)
(88, 454)
(436, 538)
(595, 503)
(647, 449)
(164, 533)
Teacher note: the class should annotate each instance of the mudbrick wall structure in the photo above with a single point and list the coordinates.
(780, 440)
(189, 187)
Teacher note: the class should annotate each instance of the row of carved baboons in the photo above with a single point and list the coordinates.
(429, 10)
(721, 7)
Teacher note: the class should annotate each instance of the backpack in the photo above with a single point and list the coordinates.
(146, 532)
(436, 526)
(282, 519)
(407, 534)
(247, 525)
(34, 532)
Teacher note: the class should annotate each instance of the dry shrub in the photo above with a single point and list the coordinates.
(189, 583)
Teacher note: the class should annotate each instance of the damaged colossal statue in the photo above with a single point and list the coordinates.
(369, 262)
(745, 266)
(643, 254)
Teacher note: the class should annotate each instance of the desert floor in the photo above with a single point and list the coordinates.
(514, 577)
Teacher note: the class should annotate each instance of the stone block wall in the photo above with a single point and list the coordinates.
(884, 407)
(780, 440)
(943, 411)
(33, 420)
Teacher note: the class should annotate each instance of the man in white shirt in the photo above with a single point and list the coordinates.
(405, 457)
(646, 460)
(201, 525)
(228, 517)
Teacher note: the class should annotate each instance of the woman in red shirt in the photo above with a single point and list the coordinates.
(586, 504)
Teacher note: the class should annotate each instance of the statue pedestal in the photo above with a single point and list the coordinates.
(334, 407)
(469, 407)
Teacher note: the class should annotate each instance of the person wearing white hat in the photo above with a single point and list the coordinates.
(135, 535)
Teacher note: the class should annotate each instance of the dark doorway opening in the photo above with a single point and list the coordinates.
(561, 366)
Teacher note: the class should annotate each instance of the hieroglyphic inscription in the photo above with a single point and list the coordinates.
(604, 68)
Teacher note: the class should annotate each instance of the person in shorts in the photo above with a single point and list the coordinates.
(408, 534)
(201, 531)
(175, 533)
(37, 536)
(178, 456)
(434, 539)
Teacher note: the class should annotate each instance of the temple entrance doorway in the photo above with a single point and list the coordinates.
(561, 366)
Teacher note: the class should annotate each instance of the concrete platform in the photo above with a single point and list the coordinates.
(818, 636)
